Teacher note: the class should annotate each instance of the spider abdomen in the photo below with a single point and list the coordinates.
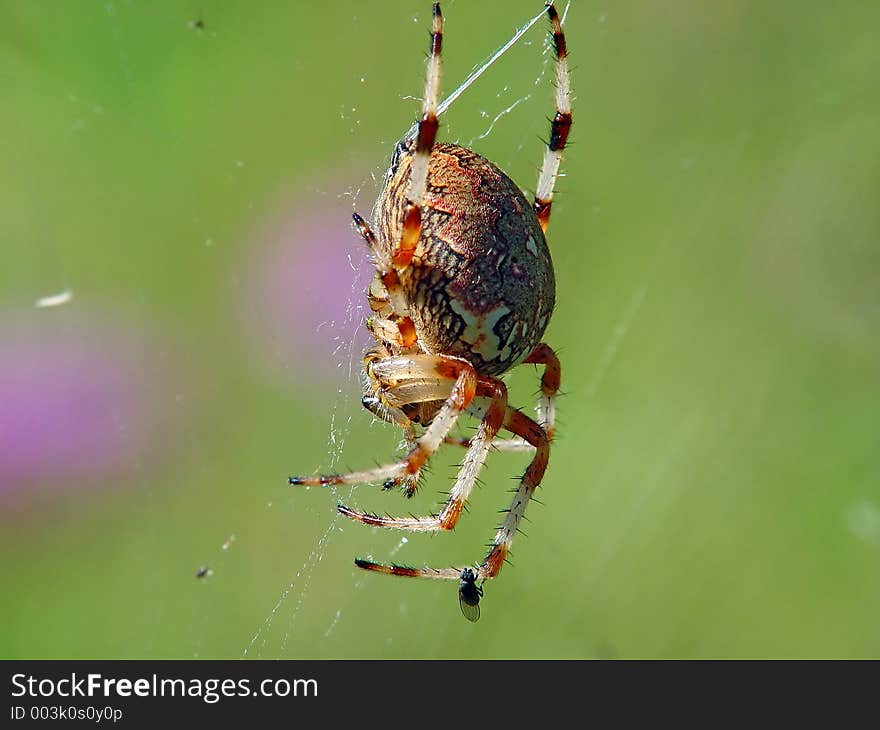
(481, 284)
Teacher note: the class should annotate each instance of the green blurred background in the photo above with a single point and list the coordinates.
(715, 489)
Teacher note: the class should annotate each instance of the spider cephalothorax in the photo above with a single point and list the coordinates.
(463, 291)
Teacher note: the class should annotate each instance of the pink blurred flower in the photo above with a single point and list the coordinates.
(305, 300)
(76, 400)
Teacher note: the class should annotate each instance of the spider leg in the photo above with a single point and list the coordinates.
(386, 296)
(467, 475)
(524, 427)
(559, 126)
(506, 444)
(443, 368)
(541, 355)
(427, 134)
(407, 571)
(409, 483)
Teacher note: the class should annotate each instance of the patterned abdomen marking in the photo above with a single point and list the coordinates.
(481, 284)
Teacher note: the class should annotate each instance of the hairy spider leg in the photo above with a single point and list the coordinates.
(542, 355)
(440, 367)
(521, 425)
(391, 323)
(403, 252)
(408, 572)
(559, 127)
(496, 392)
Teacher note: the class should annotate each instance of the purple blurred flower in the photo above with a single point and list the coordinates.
(75, 401)
(305, 300)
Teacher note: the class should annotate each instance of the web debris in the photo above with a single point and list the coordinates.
(54, 300)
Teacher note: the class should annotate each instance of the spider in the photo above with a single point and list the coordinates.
(463, 290)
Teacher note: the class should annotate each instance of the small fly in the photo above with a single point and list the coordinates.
(469, 595)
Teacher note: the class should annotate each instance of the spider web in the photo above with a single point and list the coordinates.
(347, 355)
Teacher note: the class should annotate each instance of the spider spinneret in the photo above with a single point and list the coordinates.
(463, 291)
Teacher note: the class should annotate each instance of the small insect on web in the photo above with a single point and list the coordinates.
(469, 595)
(463, 291)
